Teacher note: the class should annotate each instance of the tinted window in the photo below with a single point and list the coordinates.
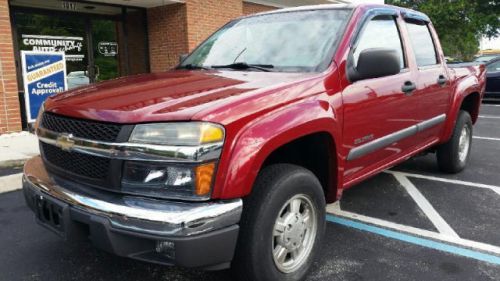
(485, 58)
(422, 44)
(380, 32)
(493, 67)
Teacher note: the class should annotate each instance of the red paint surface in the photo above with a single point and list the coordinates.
(262, 111)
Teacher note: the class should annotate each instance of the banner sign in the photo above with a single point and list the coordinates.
(44, 74)
(72, 46)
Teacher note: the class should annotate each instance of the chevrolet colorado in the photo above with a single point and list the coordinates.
(229, 159)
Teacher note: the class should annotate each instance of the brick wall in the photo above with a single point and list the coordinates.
(167, 28)
(10, 115)
(252, 8)
(136, 40)
(178, 28)
(206, 16)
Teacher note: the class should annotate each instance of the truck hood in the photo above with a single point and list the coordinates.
(173, 95)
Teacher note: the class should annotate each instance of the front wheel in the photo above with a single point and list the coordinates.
(452, 156)
(282, 225)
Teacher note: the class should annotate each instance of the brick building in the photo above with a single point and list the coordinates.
(105, 39)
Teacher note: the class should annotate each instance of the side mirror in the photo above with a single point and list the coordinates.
(374, 63)
(182, 57)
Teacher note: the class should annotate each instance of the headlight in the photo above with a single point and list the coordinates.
(186, 181)
(185, 133)
(173, 181)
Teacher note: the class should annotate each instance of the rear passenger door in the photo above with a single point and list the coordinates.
(433, 85)
(377, 111)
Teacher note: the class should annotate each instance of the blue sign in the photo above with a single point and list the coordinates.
(44, 75)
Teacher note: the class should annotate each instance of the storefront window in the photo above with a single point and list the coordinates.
(39, 32)
(100, 42)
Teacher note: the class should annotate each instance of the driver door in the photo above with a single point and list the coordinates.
(377, 113)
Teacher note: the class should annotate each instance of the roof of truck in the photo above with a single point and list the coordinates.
(343, 6)
(313, 7)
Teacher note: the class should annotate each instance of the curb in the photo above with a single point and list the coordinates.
(13, 163)
(11, 183)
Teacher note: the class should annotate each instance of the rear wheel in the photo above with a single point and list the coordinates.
(282, 225)
(452, 156)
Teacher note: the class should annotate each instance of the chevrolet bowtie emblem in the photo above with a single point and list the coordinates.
(65, 142)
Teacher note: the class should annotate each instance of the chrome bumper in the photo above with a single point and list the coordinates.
(137, 214)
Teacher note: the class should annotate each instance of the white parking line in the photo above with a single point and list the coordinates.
(11, 182)
(495, 105)
(335, 209)
(459, 182)
(486, 138)
(489, 116)
(441, 225)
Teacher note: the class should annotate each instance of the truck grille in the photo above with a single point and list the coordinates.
(81, 128)
(84, 165)
(83, 168)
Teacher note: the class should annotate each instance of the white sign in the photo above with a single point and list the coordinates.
(108, 49)
(72, 46)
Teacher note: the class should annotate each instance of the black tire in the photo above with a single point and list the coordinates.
(274, 187)
(448, 154)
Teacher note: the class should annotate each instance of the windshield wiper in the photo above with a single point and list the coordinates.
(244, 65)
(193, 67)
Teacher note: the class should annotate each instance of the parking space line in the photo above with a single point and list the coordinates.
(495, 105)
(489, 116)
(486, 138)
(441, 225)
(334, 209)
(416, 240)
(459, 182)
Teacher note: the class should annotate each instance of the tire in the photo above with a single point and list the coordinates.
(452, 157)
(275, 188)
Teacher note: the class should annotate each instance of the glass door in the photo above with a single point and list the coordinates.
(105, 60)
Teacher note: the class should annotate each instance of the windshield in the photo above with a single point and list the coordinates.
(300, 41)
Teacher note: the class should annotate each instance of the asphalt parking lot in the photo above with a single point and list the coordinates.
(409, 223)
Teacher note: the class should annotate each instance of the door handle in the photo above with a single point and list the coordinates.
(408, 87)
(441, 80)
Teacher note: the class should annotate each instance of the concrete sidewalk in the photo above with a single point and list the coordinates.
(16, 148)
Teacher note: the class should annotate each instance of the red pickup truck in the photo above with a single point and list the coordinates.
(229, 159)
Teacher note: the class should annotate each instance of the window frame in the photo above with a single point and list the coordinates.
(364, 23)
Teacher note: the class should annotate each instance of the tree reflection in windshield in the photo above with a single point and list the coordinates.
(300, 41)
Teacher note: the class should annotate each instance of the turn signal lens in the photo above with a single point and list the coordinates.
(204, 175)
(211, 133)
(178, 133)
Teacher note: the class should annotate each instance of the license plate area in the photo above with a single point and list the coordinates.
(50, 213)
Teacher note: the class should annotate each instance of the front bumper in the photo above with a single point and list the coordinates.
(161, 231)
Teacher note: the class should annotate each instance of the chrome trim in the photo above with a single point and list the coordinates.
(145, 215)
(385, 141)
(131, 151)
